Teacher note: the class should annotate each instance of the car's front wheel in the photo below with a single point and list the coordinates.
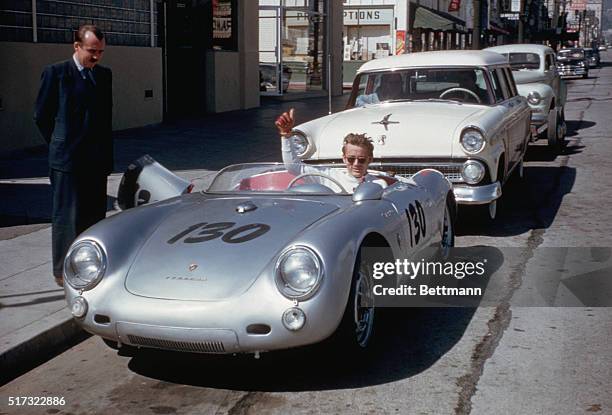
(552, 131)
(357, 325)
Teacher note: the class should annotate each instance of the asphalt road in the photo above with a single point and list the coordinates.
(533, 353)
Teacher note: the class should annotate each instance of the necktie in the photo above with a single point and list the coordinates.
(89, 75)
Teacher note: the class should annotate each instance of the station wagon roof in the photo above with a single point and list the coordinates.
(521, 47)
(442, 58)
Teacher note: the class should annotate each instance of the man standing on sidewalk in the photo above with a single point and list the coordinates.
(74, 115)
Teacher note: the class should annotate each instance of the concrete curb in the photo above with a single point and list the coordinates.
(46, 344)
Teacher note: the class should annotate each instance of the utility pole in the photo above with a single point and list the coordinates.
(521, 23)
(476, 29)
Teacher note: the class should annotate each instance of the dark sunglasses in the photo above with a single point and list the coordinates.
(360, 160)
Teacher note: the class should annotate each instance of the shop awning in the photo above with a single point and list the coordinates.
(431, 19)
(496, 29)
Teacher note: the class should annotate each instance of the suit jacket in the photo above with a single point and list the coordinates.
(74, 117)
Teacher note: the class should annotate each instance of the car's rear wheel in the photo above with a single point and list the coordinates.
(357, 325)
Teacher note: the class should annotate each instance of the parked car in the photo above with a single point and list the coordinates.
(592, 56)
(455, 111)
(262, 260)
(267, 77)
(572, 62)
(603, 48)
(535, 72)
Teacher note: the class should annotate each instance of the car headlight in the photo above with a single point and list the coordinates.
(300, 143)
(581, 63)
(472, 141)
(534, 98)
(472, 171)
(84, 265)
(298, 272)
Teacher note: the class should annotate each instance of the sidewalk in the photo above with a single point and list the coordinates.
(34, 320)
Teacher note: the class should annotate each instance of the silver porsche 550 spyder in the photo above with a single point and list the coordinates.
(262, 260)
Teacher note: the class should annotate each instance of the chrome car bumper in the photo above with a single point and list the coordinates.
(573, 71)
(477, 195)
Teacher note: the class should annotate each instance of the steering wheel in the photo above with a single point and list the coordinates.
(331, 179)
(464, 90)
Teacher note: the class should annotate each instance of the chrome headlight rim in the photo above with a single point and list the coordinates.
(298, 138)
(472, 129)
(284, 288)
(70, 276)
(473, 163)
(534, 97)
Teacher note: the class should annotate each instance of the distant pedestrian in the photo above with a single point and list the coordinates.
(74, 115)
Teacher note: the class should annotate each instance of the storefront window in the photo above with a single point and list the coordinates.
(298, 45)
(368, 33)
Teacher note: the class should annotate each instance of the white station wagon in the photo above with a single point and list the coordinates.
(537, 77)
(455, 111)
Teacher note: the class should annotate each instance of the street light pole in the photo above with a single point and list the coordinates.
(476, 25)
(521, 23)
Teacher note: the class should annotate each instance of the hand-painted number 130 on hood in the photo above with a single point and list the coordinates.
(262, 260)
(209, 231)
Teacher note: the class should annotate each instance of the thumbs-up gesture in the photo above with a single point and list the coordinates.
(285, 123)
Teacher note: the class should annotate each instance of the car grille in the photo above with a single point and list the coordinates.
(450, 171)
(182, 346)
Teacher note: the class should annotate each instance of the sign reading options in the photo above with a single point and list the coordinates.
(354, 17)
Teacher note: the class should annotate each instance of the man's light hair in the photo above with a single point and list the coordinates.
(79, 34)
(360, 140)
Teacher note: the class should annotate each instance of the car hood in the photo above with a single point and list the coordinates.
(527, 77)
(415, 129)
(208, 264)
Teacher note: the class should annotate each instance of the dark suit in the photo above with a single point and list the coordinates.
(74, 116)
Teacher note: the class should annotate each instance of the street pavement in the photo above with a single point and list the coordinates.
(522, 356)
(35, 322)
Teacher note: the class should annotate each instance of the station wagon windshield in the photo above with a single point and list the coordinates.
(452, 84)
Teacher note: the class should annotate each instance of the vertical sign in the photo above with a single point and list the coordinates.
(225, 36)
(400, 42)
(454, 5)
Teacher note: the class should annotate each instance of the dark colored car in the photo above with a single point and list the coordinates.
(592, 56)
(267, 77)
(573, 62)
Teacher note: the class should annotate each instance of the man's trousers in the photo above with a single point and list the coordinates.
(79, 201)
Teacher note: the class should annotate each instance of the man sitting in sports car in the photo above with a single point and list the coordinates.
(357, 154)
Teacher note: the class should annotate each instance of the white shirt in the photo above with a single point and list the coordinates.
(348, 181)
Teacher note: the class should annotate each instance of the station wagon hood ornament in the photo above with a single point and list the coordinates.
(385, 121)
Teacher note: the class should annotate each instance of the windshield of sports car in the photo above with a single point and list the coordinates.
(521, 60)
(420, 84)
(280, 178)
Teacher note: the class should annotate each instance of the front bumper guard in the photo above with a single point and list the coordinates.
(477, 195)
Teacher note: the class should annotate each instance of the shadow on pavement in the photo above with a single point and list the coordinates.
(575, 126)
(541, 152)
(407, 342)
(530, 203)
